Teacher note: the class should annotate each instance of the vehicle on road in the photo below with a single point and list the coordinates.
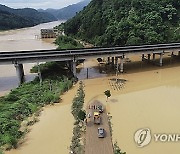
(100, 108)
(97, 118)
(101, 132)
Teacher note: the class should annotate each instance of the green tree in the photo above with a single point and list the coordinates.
(81, 115)
(126, 22)
(107, 93)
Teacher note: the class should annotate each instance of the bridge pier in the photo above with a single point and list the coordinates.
(154, 56)
(70, 65)
(122, 65)
(172, 54)
(161, 59)
(74, 68)
(116, 61)
(149, 57)
(116, 65)
(20, 73)
(142, 57)
(112, 61)
(108, 60)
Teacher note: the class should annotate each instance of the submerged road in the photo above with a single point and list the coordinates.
(93, 143)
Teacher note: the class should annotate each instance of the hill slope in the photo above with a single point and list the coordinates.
(67, 12)
(127, 22)
(11, 21)
(19, 18)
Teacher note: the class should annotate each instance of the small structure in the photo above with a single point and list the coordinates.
(51, 33)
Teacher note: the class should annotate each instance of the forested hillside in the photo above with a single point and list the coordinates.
(127, 22)
(19, 18)
(11, 21)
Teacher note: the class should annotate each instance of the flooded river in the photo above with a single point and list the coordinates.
(149, 98)
(17, 40)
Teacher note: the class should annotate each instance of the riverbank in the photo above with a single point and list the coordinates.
(28, 99)
(53, 133)
(18, 40)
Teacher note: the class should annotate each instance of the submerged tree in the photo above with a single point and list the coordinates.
(107, 93)
(81, 115)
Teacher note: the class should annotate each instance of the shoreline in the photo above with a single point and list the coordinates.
(54, 114)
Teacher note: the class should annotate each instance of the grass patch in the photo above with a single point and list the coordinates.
(67, 42)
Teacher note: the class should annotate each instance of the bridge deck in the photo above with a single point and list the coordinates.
(70, 54)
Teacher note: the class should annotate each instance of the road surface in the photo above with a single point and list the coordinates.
(93, 143)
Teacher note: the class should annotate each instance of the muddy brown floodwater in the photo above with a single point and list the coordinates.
(53, 133)
(149, 98)
(17, 40)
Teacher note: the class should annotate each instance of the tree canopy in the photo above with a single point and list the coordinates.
(127, 22)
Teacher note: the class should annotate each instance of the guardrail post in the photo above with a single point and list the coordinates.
(20, 72)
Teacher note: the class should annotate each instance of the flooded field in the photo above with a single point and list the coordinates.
(148, 99)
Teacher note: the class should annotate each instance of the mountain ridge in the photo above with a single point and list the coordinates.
(68, 11)
(20, 18)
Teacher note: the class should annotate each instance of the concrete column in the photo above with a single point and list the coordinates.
(154, 56)
(74, 68)
(108, 60)
(116, 61)
(20, 72)
(142, 57)
(122, 65)
(172, 54)
(70, 65)
(116, 65)
(161, 59)
(149, 57)
(113, 60)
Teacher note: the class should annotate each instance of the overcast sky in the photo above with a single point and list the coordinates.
(38, 3)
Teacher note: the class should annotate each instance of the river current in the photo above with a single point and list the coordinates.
(18, 40)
